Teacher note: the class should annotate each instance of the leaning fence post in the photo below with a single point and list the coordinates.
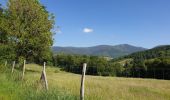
(13, 66)
(23, 70)
(82, 82)
(43, 77)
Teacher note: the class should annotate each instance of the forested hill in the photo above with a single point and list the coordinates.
(157, 52)
(100, 50)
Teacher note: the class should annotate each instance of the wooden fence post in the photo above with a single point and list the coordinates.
(23, 70)
(82, 82)
(5, 63)
(163, 73)
(13, 66)
(44, 77)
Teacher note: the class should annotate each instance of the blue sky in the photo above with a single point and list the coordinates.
(85, 23)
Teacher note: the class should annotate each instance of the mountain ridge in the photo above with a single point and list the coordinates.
(100, 50)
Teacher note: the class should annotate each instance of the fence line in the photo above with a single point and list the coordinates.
(155, 73)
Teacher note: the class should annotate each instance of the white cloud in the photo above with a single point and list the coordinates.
(87, 30)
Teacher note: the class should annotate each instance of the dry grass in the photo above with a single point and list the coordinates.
(103, 88)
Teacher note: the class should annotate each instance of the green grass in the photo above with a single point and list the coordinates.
(13, 88)
(66, 86)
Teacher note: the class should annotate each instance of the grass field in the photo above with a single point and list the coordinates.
(65, 86)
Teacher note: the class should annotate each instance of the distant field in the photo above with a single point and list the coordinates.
(96, 87)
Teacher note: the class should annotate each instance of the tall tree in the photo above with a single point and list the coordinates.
(29, 26)
(6, 49)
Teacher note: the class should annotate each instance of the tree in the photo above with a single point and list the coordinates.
(29, 28)
(3, 35)
(6, 49)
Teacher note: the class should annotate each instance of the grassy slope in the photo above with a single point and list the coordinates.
(96, 87)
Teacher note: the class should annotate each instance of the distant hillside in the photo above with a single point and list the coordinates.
(156, 52)
(152, 63)
(100, 50)
(159, 51)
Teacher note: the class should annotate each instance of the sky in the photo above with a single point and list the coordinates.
(84, 23)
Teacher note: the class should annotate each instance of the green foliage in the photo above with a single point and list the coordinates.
(26, 26)
(95, 65)
(153, 63)
(159, 66)
(6, 52)
(21, 61)
(162, 51)
(145, 68)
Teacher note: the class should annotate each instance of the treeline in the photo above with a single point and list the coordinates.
(152, 63)
(96, 65)
(158, 68)
(25, 31)
(153, 68)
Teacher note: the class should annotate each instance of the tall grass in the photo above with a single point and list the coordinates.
(66, 86)
(13, 88)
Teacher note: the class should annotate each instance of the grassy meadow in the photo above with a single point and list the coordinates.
(66, 86)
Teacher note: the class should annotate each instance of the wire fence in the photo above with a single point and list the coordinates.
(101, 88)
(154, 73)
(151, 73)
